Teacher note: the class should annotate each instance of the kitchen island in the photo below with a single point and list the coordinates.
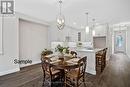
(91, 59)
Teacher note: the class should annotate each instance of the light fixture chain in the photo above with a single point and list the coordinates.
(60, 3)
(87, 19)
(93, 23)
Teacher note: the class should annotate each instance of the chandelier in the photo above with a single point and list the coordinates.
(60, 18)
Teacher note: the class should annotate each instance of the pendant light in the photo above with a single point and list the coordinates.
(60, 18)
(93, 27)
(87, 26)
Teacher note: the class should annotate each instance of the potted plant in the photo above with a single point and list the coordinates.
(62, 50)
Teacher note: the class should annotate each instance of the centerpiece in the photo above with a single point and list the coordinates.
(62, 50)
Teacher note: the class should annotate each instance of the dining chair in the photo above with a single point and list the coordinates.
(73, 53)
(99, 56)
(101, 59)
(76, 76)
(49, 72)
(103, 63)
(45, 53)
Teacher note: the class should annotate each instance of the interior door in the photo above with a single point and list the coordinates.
(120, 41)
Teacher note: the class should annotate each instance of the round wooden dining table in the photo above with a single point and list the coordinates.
(66, 62)
(62, 63)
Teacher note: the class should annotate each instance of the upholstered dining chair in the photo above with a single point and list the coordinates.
(49, 72)
(76, 76)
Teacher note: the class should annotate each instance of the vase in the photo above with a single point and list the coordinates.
(61, 55)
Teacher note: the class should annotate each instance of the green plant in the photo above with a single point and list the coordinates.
(62, 49)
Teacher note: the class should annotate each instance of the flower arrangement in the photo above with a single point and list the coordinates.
(62, 49)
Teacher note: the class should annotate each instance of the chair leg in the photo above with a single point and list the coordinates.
(65, 81)
(96, 63)
(44, 76)
(83, 78)
(77, 83)
(43, 79)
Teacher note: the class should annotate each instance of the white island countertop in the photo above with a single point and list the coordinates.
(88, 50)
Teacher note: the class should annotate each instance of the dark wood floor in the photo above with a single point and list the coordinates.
(116, 74)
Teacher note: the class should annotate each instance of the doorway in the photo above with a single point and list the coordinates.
(120, 41)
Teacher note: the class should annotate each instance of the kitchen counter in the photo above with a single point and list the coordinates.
(91, 59)
(88, 50)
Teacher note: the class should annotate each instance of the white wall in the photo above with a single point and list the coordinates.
(128, 41)
(10, 46)
(33, 39)
(1, 35)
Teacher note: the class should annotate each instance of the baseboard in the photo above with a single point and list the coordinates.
(90, 71)
(33, 63)
(9, 71)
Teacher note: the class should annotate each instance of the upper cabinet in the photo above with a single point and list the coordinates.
(100, 31)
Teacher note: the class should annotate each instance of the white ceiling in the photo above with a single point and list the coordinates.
(104, 11)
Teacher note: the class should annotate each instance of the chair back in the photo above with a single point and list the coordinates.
(48, 52)
(82, 66)
(73, 53)
(104, 53)
(46, 62)
(47, 68)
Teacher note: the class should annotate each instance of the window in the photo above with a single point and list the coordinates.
(119, 41)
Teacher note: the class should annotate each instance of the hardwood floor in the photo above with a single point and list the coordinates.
(116, 74)
(27, 77)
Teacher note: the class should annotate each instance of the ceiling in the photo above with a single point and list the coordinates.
(104, 11)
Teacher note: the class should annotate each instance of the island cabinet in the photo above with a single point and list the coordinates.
(91, 59)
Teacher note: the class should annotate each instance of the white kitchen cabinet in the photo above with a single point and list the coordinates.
(100, 30)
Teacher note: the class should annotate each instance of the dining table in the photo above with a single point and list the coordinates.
(63, 63)
(67, 61)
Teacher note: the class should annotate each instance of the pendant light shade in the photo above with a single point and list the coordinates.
(60, 20)
(93, 27)
(87, 27)
(94, 32)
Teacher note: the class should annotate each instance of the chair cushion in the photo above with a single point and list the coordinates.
(72, 73)
(53, 71)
